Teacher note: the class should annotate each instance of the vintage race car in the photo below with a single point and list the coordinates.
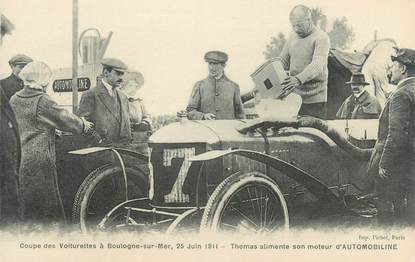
(255, 175)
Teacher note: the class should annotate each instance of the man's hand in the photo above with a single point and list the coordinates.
(288, 85)
(58, 133)
(87, 125)
(209, 116)
(383, 173)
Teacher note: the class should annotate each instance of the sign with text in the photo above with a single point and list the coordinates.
(65, 85)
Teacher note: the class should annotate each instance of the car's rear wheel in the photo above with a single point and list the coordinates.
(102, 190)
(246, 203)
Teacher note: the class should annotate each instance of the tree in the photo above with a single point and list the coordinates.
(274, 48)
(6, 27)
(341, 34)
(318, 18)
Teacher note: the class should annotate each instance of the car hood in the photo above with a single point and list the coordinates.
(198, 131)
(216, 131)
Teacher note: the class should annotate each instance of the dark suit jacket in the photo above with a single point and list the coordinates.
(395, 147)
(99, 107)
(399, 127)
(10, 153)
(365, 106)
(11, 85)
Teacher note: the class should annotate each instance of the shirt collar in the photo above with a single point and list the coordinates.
(219, 76)
(363, 96)
(405, 80)
(107, 86)
(360, 94)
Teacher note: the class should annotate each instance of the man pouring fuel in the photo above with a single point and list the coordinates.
(305, 56)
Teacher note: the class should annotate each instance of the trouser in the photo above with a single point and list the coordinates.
(411, 207)
(392, 202)
(9, 200)
(318, 110)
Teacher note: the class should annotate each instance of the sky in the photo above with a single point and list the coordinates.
(165, 40)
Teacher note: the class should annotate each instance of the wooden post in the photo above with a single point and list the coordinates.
(74, 56)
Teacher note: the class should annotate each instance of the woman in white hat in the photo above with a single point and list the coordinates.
(140, 119)
(38, 116)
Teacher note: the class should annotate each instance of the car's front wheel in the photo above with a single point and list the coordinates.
(102, 190)
(246, 203)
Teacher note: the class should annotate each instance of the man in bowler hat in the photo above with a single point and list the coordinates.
(360, 104)
(13, 83)
(215, 97)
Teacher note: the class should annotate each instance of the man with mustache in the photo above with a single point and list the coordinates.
(215, 97)
(106, 106)
(392, 163)
(360, 104)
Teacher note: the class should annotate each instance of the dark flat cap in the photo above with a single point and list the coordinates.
(216, 57)
(20, 59)
(404, 55)
(115, 64)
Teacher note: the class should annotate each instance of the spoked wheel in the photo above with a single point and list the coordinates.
(246, 203)
(102, 190)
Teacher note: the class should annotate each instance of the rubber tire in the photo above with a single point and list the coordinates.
(89, 185)
(225, 190)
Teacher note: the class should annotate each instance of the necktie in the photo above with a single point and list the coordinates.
(114, 93)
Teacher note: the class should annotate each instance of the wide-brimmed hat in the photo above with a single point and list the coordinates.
(357, 79)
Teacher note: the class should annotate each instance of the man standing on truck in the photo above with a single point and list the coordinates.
(13, 83)
(215, 97)
(393, 158)
(305, 56)
(106, 106)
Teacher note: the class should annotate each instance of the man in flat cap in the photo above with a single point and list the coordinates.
(13, 83)
(305, 56)
(215, 97)
(106, 106)
(360, 104)
(393, 159)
